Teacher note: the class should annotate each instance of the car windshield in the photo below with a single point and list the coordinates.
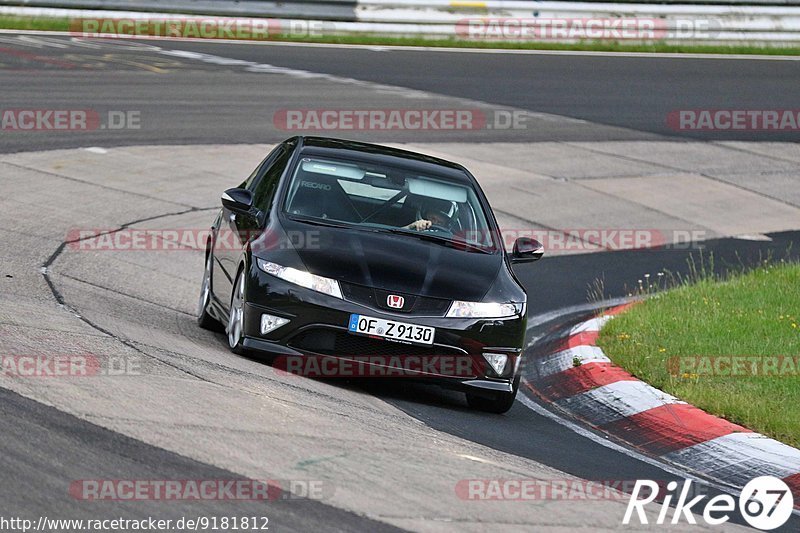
(382, 198)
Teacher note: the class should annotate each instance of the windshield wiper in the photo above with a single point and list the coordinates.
(431, 237)
(320, 222)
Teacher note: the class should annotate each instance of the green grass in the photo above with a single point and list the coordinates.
(34, 23)
(751, 314)
(63, 24)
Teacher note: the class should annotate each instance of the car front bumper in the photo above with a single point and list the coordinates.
(318, 327)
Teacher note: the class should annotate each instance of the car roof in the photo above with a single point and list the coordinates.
(374, 153)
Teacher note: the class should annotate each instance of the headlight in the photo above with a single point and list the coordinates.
(301, 277)
(483, 310)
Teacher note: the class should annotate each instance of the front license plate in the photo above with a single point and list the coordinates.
(389, 329)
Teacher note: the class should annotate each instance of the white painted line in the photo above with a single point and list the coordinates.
(544, 318)
(400, 48)
(607, 443)
(674, 467)
(591, 325)
(753, 237)
(616, 401)
(740, 457)
(265, 68)
(566, 359)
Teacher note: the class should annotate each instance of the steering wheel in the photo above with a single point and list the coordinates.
(437, 227)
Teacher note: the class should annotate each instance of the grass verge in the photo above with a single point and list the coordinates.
(63, 24)
(684, 340)
(34, 23)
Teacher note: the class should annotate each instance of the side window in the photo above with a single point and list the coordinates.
(264, 192)
(248, 183)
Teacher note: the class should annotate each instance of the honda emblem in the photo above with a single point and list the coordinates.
(395, 301)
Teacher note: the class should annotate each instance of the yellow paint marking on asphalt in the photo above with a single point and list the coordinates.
(457, 3)
(121, 59)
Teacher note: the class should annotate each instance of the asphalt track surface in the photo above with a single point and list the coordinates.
(188, 101)
(182, 100)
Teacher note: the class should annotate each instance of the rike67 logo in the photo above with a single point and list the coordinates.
(765, 503)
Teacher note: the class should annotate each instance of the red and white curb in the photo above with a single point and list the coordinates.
(578, 378)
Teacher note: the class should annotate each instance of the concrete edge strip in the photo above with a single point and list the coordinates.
(578, 378)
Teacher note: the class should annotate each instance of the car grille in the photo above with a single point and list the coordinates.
(325, 342)
(413, 304)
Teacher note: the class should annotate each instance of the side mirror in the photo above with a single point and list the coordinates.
(526, 250)
(238, 200)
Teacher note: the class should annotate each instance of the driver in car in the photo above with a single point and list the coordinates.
(432, 214)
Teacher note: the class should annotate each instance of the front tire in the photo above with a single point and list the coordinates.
(497, 403)
(235, 329)
(204, 319)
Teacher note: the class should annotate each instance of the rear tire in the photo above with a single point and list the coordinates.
(204, 319)
(497, 403)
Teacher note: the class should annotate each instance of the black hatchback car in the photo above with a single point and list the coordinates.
(343, 258)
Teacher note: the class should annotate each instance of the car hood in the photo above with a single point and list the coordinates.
(393, 262)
